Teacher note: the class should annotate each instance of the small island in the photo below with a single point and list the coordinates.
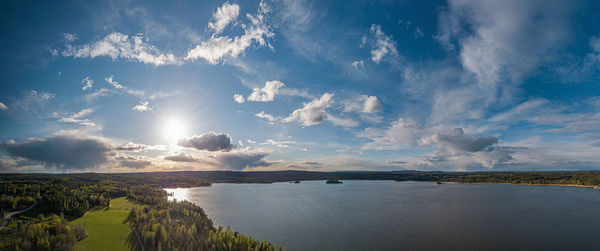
(334, 182)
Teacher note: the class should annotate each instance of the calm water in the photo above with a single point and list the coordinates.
(388, 215)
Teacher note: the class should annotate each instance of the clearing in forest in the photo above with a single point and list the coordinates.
(105, 227)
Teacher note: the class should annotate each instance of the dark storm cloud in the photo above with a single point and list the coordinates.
(242, 160)
(234, 160)
(469, 152)
(209, 142)
(182, 157)
(63, 151)
(133, 162)
(458, 141)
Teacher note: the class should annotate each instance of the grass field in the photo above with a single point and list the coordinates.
(105, 228)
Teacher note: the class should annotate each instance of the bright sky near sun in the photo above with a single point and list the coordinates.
(110, 86)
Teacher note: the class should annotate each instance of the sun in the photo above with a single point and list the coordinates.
(174, 130)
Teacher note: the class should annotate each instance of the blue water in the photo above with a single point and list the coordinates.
(388, 215)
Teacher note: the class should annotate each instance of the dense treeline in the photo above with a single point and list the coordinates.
(197, 178)
(159, 224)
(15, 202)
(229, 240)
(541, 178)
(204, 178)
(51, 196)
(68, 198)
(51, 233)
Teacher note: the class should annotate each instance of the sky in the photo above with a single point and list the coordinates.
(456, 85)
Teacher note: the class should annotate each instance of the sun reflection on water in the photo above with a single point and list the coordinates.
(178, 193)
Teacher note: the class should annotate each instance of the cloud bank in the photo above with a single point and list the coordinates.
(64, 151)
(117, 45)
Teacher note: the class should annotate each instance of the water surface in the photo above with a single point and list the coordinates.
(388, 215)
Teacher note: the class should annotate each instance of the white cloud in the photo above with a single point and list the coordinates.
(363, 103)
(519, 110)
(418, 33)
(161, 94)
(117, 45)
(77, 118)
(112, 82)
(41, 97)
(583, 69)
(270, 90)
(280, 144)
(121, 89)
(384, 44)
(346, 122)
(99, 93)
(359, 65)
(138, 93)
(238, 98)
(498, 45)
(70, 37)
(32, 99)
(505, 40)
(87, 83)
(83, 113)
(266, 116)
(298, 23)
(218, 47)
(371, 104)
(3, 106)
(313, 112)
(266, 93)
(224, 15)
(449, 106)
(131, 147)
(594, 101)
(293, 92)
(143, 106)
(402, 134)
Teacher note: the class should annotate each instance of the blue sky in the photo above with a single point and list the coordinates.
(457, 85)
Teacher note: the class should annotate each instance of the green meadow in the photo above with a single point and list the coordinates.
(105, 227)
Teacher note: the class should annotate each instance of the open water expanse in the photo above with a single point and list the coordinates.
(389, 215)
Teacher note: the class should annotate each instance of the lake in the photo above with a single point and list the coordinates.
(389, 215)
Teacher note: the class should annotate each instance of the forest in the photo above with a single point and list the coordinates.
(156, 223)
(159, 224)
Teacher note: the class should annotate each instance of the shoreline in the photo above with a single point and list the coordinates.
(442, 182)
(522, 184)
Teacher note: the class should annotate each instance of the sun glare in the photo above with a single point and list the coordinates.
(174, 130)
